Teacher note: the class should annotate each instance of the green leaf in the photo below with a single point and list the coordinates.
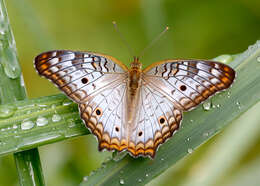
(197, 127)
(38, 122)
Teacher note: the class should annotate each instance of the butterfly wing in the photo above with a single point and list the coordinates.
(98, 84)
(169, 88)
(187, 83)
(157, 120)
(80, 75)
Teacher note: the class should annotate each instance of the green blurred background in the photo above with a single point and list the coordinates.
(198, 29)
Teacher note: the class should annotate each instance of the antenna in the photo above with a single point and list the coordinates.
(123, 39)
(153, 41)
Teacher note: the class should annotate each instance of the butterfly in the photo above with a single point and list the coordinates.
(132, 109)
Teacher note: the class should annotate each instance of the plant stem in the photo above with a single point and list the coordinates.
(12, 89)
(29, 162)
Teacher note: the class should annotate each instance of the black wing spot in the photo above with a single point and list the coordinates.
(117, 129)
(183, 87)
(162, 120)
(84, 80)
(140, 133)
(98, 111)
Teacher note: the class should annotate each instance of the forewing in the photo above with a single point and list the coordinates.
(80, 75)
(187, 83)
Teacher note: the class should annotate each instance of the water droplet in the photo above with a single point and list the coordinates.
(188, 139)
(12, 71)
(146, 175)
(258, 59)
(67, 102)
(190, 150)
(218, 105)
(213, 106)
(27, 124)
(238, 104)
(40, 105)
(7, 111)
(162, 159)
(228, 94)
(224, 58)
(122, 182)
(207, 105)
(85, 178)
(139, 180)
(56, 118)
(41, 121)
(191, 121)
(205, 134)
(71, 123)
(10, 64)
(2, 32)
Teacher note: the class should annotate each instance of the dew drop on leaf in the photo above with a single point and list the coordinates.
(122, 182)
(228, 94)
(67, 102)
(238, 104)
(205, 134)
(12, 72)
(85, 178)
(56, 118)
(190, 150)
(41, 121)
(27, 124)
(7, 111)
(258, 59)
(207, 106)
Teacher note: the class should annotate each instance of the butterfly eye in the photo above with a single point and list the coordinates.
(183, 87)
(140, 133)
(117, 129)
(84, 80)
(98, 111)
(162, 120)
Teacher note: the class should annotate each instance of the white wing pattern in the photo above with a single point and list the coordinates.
(80, 75)
(188, 82)
(122, 116)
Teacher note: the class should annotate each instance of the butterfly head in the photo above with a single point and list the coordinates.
(136, 64)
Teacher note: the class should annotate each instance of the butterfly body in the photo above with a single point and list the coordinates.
(132, 109)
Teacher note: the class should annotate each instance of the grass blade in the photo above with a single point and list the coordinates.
(40, 121)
